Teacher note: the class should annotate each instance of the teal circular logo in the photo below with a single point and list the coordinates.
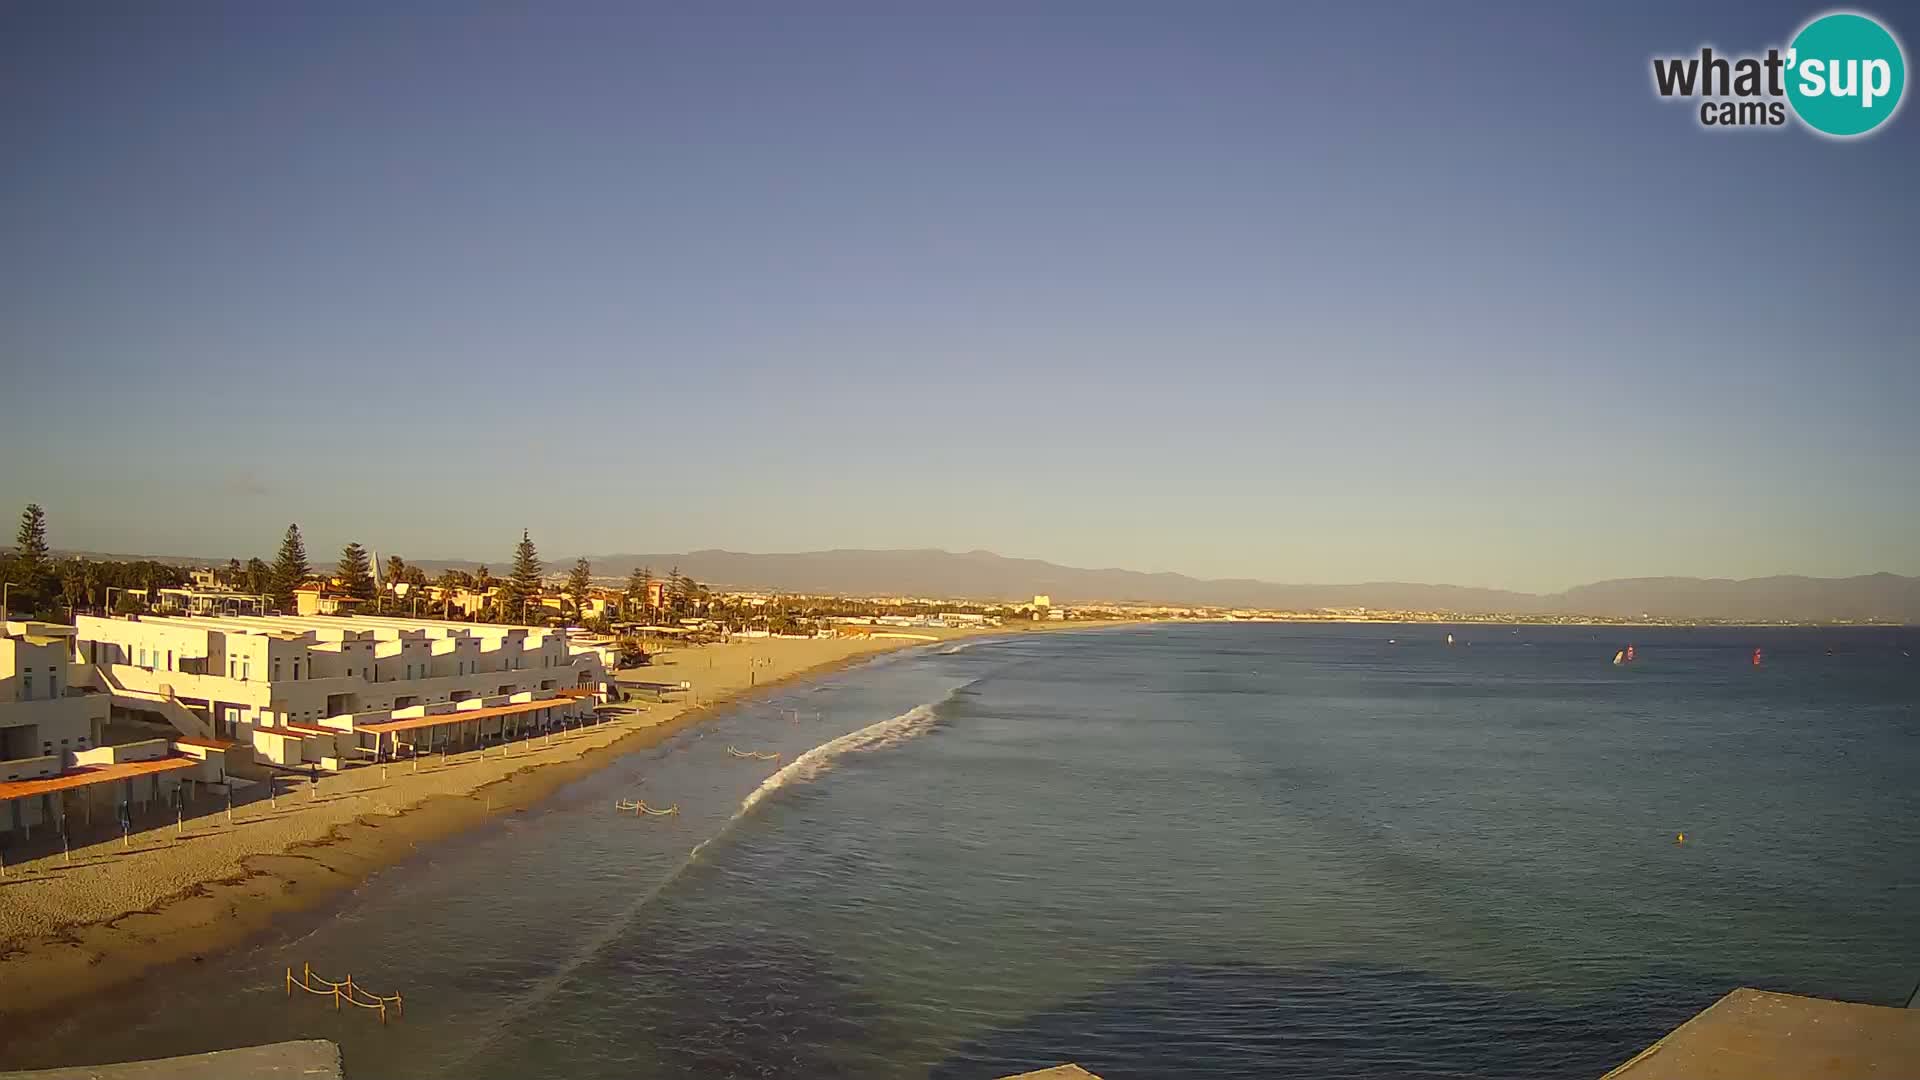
(1845, 74)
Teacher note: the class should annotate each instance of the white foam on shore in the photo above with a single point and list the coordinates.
(886, 733)
(811, 764)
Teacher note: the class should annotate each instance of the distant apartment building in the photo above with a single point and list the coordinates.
(314, 689)
(320, 598)
(458, 599)
(600, 604)
(54, 756)
(209, 601)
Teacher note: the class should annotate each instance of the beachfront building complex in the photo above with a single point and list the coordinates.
(55, 759)
(42, 713)
(323, 690)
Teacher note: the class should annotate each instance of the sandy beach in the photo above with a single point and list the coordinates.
(75, 924)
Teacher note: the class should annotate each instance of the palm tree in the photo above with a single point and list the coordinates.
(483, 584)
(452, 581)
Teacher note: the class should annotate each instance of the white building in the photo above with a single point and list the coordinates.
(43, 715)
(53, 761)
(322, 690)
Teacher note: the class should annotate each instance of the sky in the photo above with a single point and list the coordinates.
(1310, 293)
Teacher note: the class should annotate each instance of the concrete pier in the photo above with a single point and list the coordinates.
(308, 1059)
(1757, 1035)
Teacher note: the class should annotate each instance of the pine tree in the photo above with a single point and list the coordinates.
(675, 593)
(356, 572)
(636, 595)
(579, 583)
(290, 568)
(523, 584)
(30, 568)
(31, 541)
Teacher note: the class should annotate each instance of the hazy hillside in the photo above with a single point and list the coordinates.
(984, 575)
(1871, 596)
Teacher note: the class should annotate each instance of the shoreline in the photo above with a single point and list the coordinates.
(113, 915)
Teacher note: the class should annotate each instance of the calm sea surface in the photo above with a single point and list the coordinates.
(1207, 851)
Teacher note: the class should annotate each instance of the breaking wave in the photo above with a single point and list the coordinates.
(915, 721)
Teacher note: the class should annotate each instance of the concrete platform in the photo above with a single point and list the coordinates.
(309, 1059)
(1757, 1035)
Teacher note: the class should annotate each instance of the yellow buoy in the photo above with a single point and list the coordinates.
(1680, 838)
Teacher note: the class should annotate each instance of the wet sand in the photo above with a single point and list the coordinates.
(73, 927)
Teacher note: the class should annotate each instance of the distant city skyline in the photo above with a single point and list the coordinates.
(1448, 297)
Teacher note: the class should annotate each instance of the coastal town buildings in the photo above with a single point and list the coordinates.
(321, 598)
(209, 600)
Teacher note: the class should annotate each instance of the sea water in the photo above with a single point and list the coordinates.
(1193, 850)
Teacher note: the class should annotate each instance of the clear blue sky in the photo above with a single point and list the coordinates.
(1320, 293)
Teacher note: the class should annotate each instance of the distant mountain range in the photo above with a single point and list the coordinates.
(982, 575)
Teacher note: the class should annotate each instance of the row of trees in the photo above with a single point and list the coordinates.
(37, 585)
(680, 596)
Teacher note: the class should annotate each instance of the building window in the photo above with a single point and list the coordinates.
(246, 669)
(26, 688)
(53, 688)
(296, 671)
(276, 669)
(232, 667)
